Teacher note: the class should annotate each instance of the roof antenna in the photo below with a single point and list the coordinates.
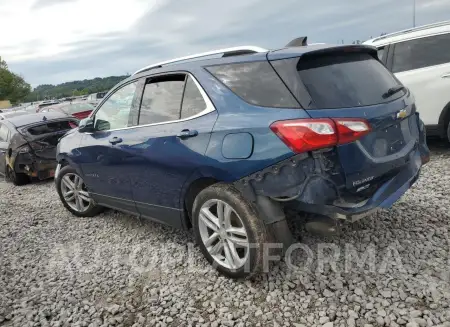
(44, 118)
(298, 42)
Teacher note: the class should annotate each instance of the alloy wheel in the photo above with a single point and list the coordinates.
(75, 193)
(223, 234)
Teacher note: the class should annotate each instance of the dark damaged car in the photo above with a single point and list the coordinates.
(28, 145)
(225, 144)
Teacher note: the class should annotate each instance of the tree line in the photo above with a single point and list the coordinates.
(74, 88)
(12, 86)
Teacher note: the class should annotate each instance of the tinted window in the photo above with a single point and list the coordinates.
(346, 80)
(419, 53)
(114, 112)
(193, 102)
(256, 83)
(161, 100)
(4, 133)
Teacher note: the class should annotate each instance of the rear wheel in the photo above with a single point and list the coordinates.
(18, 179)
(229, 232)
(74, 194)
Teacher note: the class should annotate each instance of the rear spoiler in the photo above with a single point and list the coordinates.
(298, 42)
(353, 48)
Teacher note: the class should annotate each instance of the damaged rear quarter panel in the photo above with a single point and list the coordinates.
(310, 178)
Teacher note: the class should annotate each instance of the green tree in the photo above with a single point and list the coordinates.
(3, 64)
(12, 87)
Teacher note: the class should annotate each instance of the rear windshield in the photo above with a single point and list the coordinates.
(52, 127)
(347, 80)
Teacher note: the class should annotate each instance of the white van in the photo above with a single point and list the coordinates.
(420, 58)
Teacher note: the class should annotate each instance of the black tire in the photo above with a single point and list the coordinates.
(17, 179)
(254, 227)
(93, 208)
(448, 132)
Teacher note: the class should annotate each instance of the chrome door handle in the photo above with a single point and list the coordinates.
(446, 75)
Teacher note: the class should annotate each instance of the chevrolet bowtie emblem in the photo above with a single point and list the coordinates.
(402, 114)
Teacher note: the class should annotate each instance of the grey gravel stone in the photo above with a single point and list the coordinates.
(112, 270)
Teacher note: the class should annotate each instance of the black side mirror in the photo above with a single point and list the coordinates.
(86, 125)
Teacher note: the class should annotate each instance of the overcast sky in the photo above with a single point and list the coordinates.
(53, 41)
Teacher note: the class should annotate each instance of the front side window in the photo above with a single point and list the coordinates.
(115, 111)
(420, 53)
(161, 101)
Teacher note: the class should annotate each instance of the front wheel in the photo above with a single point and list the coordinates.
(74, 194)
(230, 234)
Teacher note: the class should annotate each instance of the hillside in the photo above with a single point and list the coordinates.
(87, 86)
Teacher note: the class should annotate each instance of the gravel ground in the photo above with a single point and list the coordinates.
(113, 270)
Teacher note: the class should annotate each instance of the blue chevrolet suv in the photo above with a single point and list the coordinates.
(224, 142)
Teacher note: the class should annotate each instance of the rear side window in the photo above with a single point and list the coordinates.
(52, 127)
(193, 102)
(420, 53)
(161, 100)
(346, 80)
(256, 83)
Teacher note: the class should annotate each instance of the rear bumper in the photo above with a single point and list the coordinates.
(384, 197)
(37, 168)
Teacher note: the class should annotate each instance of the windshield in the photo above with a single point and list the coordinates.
(346, 80)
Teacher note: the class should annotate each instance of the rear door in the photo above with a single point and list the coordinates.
(175, 122)
(353, 83)
(423, 65)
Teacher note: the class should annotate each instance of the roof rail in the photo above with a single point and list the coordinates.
(227, 52)
(410, 30)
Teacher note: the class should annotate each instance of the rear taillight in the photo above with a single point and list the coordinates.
(306, 134)
(350, 130)
(303, 135)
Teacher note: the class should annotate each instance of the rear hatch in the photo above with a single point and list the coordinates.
(43, 137)
(350, 82)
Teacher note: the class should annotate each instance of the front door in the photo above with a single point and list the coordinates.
(175, 122)
(106, 163)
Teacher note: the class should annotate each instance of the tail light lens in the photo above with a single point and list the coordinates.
(306, 134)
(311, 134)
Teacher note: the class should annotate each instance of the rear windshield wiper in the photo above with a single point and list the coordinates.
(393, 90)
